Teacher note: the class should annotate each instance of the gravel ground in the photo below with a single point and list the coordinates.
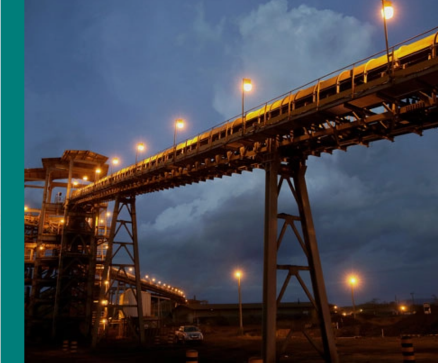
(224, 345)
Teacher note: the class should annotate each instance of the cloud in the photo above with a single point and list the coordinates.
(284, 48)
(204, 30)
(200, 200)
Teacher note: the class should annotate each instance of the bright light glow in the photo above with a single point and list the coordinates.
(106, 282)
(104, 302)
(98, 171)
(25, 208)
(388, 10)
(85, 178)
(75, 183)
(238, 274)
(179, 123)
(353, 280)
(103, 321)
(247, 85)
(115, 161)
(41, 248)
(108, 214)
(402, 308)
(62, 221)
(141, 146)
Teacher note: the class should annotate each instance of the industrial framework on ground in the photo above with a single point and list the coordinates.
(376, 99)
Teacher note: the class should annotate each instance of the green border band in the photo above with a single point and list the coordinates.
(12, 166)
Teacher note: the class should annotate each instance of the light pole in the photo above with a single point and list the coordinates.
(353, 281)
(179, 124)
(413, 301)
(387, 13)
(140, 147)
(246, 87)
(238, 274)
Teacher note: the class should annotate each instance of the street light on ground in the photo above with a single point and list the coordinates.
(246, 87)
(140, 148)
(179, 124)
(387, 13)
(352, 280)
(238, 275)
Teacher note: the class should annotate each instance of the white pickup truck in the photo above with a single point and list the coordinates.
(188, 333)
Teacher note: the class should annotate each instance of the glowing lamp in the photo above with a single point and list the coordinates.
(247, 85)
(179, 123)
(387, 10)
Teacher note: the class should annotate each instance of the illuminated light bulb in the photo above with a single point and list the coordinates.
(179, 123)
(388, 10)
(247, 85)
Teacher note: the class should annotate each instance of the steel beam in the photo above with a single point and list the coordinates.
(107, 265)
(328, 340)
(269, 323)
(137, 271)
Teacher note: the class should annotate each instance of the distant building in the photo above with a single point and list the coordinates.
(198, 312)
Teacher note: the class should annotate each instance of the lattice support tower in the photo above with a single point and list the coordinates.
(293, 173)
(122, 246)
(76, 275)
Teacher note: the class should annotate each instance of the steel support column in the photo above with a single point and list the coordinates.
(294, 171)
(137, 272)
(73, 300)
(104, 289)
(270, 258)
(126, 249)
(298, 171)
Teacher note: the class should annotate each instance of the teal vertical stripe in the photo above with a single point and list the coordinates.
(12, 194)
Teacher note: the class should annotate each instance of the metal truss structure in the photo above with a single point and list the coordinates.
(124, 249)
(67, 248)
(292, 173)
(73, 303)
(365, 102)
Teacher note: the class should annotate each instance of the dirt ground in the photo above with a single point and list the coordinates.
(223, 344)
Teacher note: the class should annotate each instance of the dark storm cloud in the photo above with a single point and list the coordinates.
(213, 242)
(378, 215)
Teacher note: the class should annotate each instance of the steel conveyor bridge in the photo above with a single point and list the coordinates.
(371, 100)
(354, 106)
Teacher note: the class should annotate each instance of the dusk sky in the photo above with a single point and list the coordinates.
(103, 75)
